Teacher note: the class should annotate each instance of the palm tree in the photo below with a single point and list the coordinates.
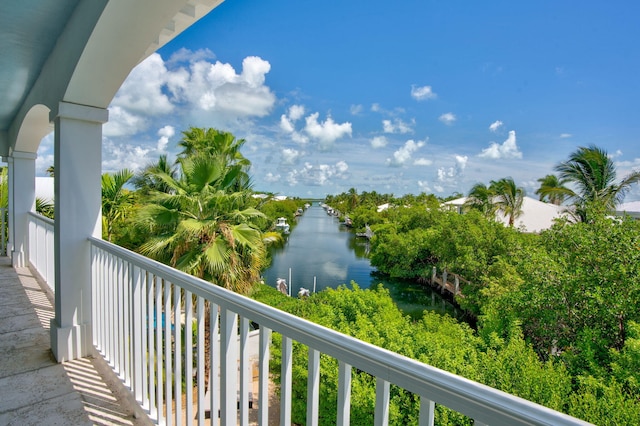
(215, 142)
(116, 199)
(552, 189)
(146, 180)
(508, 198)
(480, 198)
(201, 228)
(593, 174)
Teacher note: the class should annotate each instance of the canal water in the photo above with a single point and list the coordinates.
(322, 253)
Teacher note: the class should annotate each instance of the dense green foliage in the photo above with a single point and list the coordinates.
(507, 363)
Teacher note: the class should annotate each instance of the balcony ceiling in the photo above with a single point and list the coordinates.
(28, 33)
(78, 52)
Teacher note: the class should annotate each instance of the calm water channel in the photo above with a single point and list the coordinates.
(320, 248)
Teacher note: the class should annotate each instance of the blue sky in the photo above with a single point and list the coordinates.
(404, 97)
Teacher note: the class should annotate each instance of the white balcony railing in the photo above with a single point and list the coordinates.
(41, 247)
(131, 292)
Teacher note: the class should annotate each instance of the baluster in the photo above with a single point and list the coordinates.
(285, 381)
(263, 407)
(244, 372)
(344, 393)
(200, 370)
(313, 387)
(229, 367)
(381, 417)
(427, 411)
(188, 353)
(177, 342)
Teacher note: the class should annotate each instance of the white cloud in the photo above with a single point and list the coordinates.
(397, 126)
(296, 112)
(447, 118)
(565, 135)
(287, 123)
(424, 186)
(375, 107)
(271, 178)
(123, 123)
(422, 162)
(319, 175)
(495, 125)
(508, 149)
(188, 84)
(326, 132)
(378, 142)
(402, 155)
(449, 175)
(356, 109)
(422, 93)
(290, 156)
(142, 91)
(118, 156)
(165, 134)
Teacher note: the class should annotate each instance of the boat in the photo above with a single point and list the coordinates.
(282, 225)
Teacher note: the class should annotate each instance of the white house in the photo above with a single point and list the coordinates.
(536, 215)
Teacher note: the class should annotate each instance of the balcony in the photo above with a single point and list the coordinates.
(161, 368)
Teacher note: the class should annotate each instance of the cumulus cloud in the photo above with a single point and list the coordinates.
(447, 118)
(290, 156)
(378, 142)
(118, 156)
(495, 126)
(318, 175)
(142, 91)
(197, 87)
(422, 93)
(123, 123)
(165, 134)
(326, 132)
(402, 155)
(508, 149)
(397, 126)
(422, 162)
(424, 186)
(449, 175)
(271, 178)
(287, 123)
(375, 107)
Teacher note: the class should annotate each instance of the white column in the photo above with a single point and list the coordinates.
(78, 158)
(22, 198)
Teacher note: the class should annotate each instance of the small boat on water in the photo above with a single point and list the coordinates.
(282, 225)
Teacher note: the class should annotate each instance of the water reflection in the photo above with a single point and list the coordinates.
(321, 253)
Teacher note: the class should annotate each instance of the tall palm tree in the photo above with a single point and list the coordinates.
(201, 228)
(211, 141)
(593, 174)
(552, 189)
(146, 180)
(508, 198)
(116, 199)
(480, 198)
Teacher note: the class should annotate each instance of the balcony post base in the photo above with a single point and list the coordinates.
(68, 343)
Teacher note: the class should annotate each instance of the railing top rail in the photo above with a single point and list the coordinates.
(473, 399)
(42, 218)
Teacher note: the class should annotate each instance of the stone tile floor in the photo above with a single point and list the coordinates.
(34, 388)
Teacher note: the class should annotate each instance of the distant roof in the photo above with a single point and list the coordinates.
(536, 215)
